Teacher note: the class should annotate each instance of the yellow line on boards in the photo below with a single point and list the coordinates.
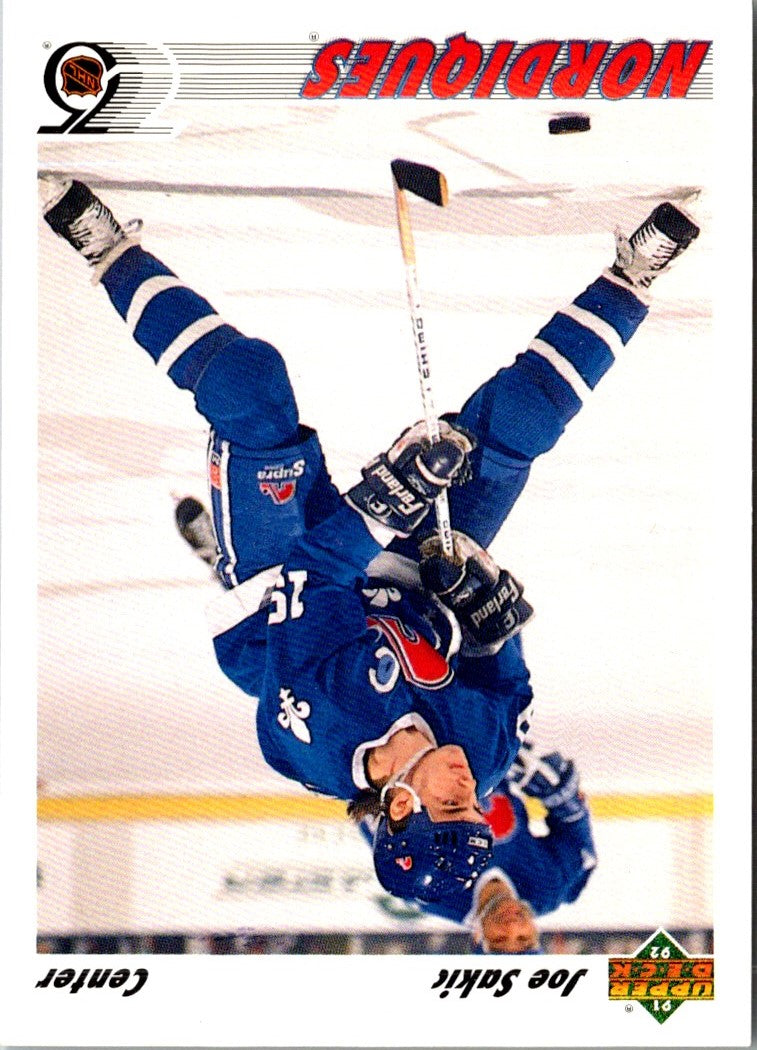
(190, 807)
(650, 807)
(313, 807)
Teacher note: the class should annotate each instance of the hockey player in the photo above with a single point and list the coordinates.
(368, 684)
(529, 875)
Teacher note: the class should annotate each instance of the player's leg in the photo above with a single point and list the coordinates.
(267, 477)
(266, 471)
(264, 499)
(522, 410)
(240, 385)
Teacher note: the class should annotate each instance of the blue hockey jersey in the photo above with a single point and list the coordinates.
(339, 657)
(545, 870)
(340, 661)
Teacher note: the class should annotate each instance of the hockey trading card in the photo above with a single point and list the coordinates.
(376, 401)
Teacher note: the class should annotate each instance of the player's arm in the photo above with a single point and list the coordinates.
(487, 600)
(395, 494)
(568, 851)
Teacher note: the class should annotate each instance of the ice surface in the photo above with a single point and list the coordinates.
(283, 217)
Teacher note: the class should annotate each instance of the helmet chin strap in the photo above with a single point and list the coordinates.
(398, 780)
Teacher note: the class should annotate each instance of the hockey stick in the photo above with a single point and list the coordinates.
(428, 183)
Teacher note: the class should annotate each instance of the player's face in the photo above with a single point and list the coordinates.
(446, 786)
(510, 928)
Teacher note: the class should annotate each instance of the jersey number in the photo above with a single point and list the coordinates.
(286, 604)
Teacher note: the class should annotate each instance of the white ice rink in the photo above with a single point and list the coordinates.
(283, 218)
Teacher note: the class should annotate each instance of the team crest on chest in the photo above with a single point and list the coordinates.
(500, 816)
(419, 662)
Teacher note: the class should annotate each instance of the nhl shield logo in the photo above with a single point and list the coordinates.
(82, 75)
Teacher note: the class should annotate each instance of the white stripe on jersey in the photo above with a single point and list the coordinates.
(387, 565)
(185, 339)
(234, 606)
(229, 569)
(597, 325)
(561, 365)
(146, 293)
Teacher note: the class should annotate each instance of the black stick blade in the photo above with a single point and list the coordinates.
(421, 180)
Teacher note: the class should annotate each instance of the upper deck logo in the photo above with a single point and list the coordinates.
(661, 976)
(82, 75)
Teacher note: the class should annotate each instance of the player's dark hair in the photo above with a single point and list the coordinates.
(368, 804)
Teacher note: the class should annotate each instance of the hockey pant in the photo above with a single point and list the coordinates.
(523, 409)
(268, 482)
(267, 476)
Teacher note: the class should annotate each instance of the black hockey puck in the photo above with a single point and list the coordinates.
(568, 123)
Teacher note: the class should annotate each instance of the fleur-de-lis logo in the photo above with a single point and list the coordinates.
(293, 714)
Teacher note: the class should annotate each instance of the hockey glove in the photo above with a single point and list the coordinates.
(487, 601)
(399, 486)
(550, 778)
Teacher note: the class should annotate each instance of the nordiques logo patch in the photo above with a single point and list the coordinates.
(420, 663)
(661, 976)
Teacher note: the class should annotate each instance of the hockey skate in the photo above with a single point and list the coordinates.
(73, 211)
(652, 248)
(196, 527)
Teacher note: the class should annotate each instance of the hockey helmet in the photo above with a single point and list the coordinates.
(434, 863)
